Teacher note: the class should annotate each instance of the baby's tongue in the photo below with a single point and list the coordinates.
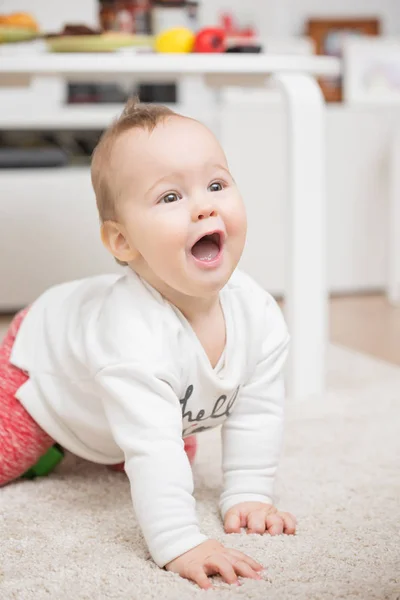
(205, 249)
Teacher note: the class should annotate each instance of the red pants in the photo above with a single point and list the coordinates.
(22, 441)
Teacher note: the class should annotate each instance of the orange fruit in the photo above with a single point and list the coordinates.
(20, 19)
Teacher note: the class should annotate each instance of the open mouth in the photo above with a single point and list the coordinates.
(208, 247)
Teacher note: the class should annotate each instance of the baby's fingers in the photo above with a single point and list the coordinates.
(221, 565)
(256, 522)
(198, 575)
(274, 524)
(232, 522)
(250, 561)
(289, 523)
(244, 569)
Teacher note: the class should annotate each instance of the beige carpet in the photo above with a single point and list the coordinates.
(73, 535)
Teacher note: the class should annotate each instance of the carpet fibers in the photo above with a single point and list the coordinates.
(73, 535)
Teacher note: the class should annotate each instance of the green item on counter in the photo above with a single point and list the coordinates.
(46, 463)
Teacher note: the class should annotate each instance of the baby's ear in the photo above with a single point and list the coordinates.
(114, 239)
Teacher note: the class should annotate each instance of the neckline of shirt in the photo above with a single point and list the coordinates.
(220, 370)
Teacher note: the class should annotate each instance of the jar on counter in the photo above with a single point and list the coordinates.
(128, 16)
(168, 14)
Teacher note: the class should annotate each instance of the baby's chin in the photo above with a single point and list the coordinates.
(207, 284)
(185, 289)
(190, 288)
(188, 281)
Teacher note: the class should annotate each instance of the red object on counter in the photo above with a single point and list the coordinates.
(232, 30)
(227, 23)
(210, 39)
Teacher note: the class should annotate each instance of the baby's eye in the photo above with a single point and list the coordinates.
(168, 198)
(215, 187)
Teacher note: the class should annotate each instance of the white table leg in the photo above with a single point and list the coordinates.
(393, 290)
(306, 305)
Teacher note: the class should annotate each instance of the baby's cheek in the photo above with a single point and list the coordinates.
(171, 249)
(237, 222)
(168, 235)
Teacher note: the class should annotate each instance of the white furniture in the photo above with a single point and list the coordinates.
(394, 221)
(371, 70)
(371, 77)
(306, 290)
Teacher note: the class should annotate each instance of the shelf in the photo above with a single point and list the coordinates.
(87, 117)
(68, 117)
(227, 69)
(106, 65)
(46, 172)
(80, 117)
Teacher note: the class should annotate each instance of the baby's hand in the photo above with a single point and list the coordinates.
(210, 558)
(259, 518)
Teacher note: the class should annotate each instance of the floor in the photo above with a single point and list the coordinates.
(74, 534)
(364, 323)
(368, 324)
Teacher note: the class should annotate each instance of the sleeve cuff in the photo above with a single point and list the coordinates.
(227, 503)
(164, 555)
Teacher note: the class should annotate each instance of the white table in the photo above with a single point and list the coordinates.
(306, 298)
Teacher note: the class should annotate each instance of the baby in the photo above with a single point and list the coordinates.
(128, 367)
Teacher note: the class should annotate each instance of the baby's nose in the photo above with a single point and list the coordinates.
(207, 213)
(204, 212)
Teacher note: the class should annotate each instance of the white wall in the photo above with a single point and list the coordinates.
(274, 17)
(52, 14)
(292, 14)
(287, 17)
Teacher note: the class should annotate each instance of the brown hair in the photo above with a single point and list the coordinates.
(134, 115)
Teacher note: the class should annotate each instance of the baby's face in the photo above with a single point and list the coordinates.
(179, 206)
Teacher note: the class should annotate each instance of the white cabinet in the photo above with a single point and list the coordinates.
(49, 232)
(358, 144)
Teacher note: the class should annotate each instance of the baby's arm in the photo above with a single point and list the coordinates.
(146, 421)
(252, 434)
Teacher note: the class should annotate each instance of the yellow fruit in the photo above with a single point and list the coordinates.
(178, 39)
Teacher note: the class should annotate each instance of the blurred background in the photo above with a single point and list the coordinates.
(50, 125)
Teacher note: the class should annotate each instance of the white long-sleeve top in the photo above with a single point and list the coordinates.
(116, 373)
